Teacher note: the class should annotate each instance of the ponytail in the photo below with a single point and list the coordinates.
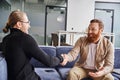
(6, 28)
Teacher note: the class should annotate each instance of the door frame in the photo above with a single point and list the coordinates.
(111, 17)
(45, 31)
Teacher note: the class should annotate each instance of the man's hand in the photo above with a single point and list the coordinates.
(98, 73)
(65, 57)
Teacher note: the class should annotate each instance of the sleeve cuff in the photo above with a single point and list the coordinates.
(60, 58)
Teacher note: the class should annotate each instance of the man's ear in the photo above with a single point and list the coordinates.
(19, 25)
(101, 30)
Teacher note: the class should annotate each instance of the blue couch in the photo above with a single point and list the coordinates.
(58, 72)
(3, 68)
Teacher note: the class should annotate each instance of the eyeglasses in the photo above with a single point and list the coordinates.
(25, 22)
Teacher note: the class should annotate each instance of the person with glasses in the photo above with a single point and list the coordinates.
(96, 55)
(19, 47)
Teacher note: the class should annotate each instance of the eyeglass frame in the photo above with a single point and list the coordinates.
(25, 22)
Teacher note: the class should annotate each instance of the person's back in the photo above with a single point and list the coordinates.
(18, 47)
(14, 53)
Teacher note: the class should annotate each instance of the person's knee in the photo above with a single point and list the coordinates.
(109, 77)
(77, 73)
(71, 75)
(71, 72)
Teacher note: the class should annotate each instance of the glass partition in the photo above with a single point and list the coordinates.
(36, 14)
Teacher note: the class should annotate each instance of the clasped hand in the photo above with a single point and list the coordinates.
(99, 73)
(65, 59)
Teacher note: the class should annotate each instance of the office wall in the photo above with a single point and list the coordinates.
(116, 19)
(108, 0)
(80, 12)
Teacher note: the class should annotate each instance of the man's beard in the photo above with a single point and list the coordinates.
(94, 37)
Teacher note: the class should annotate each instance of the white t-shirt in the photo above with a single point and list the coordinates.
(90, 61)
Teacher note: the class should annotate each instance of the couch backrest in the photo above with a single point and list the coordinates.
(50, 50)
(117, 58)
(64, 50)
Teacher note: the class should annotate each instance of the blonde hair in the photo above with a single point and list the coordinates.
(14, 17)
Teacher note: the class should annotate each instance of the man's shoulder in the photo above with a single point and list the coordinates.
(83, 38)
(106, 41)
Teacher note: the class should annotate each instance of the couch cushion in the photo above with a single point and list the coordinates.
(47, 73)
(62, 50)
(63, 72)
(117, 58)
(50, 50)
(116, 76)
(3, 67)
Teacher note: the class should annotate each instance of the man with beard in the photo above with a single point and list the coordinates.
(96, 55)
